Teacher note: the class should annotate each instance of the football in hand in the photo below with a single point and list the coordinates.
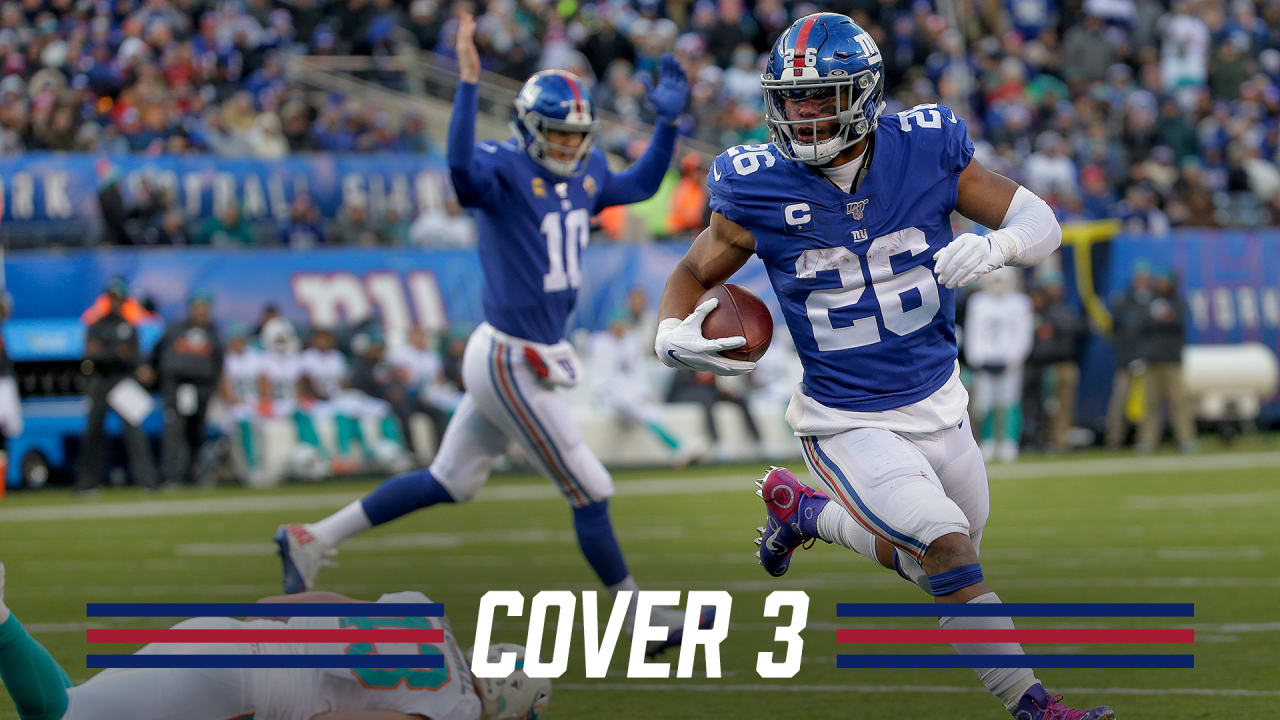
(740, 312)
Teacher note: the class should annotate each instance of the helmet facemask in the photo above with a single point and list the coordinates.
(851, 94)
(539, 146)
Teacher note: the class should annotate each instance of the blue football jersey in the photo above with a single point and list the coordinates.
(533, 227)
(854, 273)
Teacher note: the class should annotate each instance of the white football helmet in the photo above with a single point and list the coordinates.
(516, 696)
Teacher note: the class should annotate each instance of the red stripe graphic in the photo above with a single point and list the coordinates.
(802, 41)
(262, 635)
(1020, 635)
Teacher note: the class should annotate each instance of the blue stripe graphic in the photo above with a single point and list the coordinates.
(264, 610)
(265, 661)
(931, 610)
(568, 475)
(1015, 661)
(866, 511)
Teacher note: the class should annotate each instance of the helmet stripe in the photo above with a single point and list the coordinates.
(577, 94)
(802, 40)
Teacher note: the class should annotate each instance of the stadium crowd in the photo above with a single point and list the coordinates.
(1160, 114)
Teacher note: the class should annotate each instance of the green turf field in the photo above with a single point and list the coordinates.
(1105, 528)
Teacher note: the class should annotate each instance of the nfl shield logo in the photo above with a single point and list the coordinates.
(855, 208)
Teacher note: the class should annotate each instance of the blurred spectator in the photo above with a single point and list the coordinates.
(1128, 341)
(188, 362)
(226, 229)
(620, 388)
(373, 380)
(705, 389)
(355, 227)
(689, 211)
(1140, 213)
(10, 402)
(420, 371)
(172, 229)
(112, 360)
(997, 339)
(1162, 352)
(324, 370)
(239, 392)
(303, 229)
(129, 308)
(447, 227)
(455, 345)
(1059, 332)
(127, 222)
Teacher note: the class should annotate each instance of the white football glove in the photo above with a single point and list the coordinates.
(680, 345)
(967, 258)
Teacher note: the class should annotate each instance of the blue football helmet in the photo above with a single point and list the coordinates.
(555, 100)
(823, 56)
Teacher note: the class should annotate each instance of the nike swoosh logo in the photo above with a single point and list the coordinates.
(775, 547)
(672, 355)
(953, 115)
(488, 148)
(715, 171)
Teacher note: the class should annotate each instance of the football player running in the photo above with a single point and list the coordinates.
(533, 197)
(41, 689)
(850, 213)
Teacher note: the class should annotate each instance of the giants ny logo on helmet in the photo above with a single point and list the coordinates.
(827, 58)
(555, 100)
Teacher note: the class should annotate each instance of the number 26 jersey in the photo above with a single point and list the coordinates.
(854, 272)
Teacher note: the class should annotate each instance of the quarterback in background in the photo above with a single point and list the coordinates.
(533, 197)
(850, 213)
(41, 689)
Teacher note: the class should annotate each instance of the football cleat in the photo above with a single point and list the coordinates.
(676, 633)
(302, 556)
(791, 514)
(1038, 704)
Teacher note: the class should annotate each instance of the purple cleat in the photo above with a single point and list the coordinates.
(791, 518)
(1038, 704)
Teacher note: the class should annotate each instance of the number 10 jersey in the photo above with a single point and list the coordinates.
(854, 272)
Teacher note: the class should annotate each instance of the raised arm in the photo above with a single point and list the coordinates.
(470, 182)
(641, 181)
(714, 257)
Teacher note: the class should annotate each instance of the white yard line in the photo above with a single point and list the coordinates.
(946, 689)
(410, 541)
(661, 486)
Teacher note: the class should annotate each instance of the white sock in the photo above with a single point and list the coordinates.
(1008, 684)
(837, 526)
(341, 525)
(626, 583)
